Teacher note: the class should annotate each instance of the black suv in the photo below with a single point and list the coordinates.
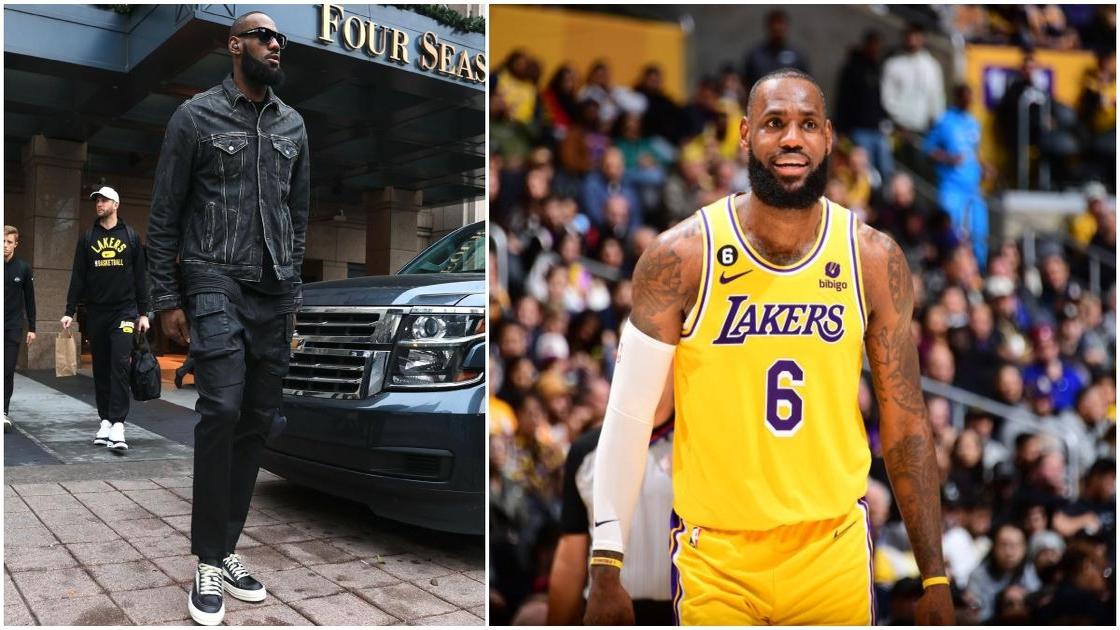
(384, 400)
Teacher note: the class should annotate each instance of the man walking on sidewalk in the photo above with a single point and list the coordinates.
(19, 297)
(227, 230)
(109, 276)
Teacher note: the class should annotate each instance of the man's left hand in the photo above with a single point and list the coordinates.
(935, 607)
(30, 338)
(143, 324)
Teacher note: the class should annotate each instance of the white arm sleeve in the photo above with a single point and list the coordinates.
(620, 459)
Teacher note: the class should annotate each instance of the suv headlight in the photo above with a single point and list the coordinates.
(431, 347)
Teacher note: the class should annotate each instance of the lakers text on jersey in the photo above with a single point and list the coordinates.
(766, 379)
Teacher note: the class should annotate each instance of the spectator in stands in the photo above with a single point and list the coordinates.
(1011, 607)
(1100, 34)
(561, 106)
(1095, 510)
(1083, 597)
(954, 145)
(514, 83)
(1057, 143)
(1046, 27)
(775, 53)
(1045, 551)
(961, 553)
(913, 89)
(683, 188)
(1007, 564)
(1049, 372)
(1011, 319)
(966, 471)
(663, 116)
(510, 138)
(859, 107)
(1057, 286)
(610, 181)
(1097, 112)
(584, 144)
(598, 88)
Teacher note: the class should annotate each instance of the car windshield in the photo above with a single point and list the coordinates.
(463, 251)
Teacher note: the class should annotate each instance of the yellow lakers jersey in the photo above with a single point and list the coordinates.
(766, 379)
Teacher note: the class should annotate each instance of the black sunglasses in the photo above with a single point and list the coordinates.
(265, 35)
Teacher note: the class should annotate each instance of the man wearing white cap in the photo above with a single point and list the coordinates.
(109, 277)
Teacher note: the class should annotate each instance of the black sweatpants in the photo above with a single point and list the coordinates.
(240, 347)
(110, 334)
(13, 337)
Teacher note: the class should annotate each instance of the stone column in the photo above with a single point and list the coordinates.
(51, 225)
(391, 227)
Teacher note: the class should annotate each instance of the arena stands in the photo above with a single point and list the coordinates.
(1017, 346)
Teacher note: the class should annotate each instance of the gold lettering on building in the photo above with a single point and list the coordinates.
(354, 40)
(428, 54)
(328, 22)
(393, 44)
(400, 41)
(377, 33)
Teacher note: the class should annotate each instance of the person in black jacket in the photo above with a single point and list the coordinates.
(109, 276)
(19, 296)
(859, 108)
(226, 243)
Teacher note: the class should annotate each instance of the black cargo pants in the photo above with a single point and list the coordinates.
(240, 345)
(110, 333)
(13, 337)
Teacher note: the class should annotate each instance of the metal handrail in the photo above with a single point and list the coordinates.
(498, 235)
(1014, 417)
(1031, 96)
(1023, 419)
(1097, 255)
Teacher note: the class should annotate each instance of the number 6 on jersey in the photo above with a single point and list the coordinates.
(784, 407)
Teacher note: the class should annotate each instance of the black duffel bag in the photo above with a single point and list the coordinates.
(144, 379)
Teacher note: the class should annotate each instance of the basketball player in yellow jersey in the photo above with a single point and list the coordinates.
(763, 304)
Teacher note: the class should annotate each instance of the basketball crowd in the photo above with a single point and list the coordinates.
(1017, 348)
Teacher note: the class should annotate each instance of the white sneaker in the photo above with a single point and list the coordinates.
(103, 433)
(116, 437)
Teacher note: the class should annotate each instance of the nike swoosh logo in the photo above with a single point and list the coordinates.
(598, 523)
(841, 532)
(724, 278)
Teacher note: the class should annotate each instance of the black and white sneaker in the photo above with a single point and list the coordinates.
(102, 437)
(206, 601)
(7, 423)
(238, 582)
(115, 441)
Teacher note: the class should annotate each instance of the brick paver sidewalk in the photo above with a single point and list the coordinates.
(117, 552)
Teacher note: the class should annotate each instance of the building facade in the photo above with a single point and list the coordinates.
(394, 104)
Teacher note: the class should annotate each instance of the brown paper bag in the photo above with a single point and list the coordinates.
(65, 355)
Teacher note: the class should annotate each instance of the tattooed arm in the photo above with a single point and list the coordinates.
(906, 436)
(666, 280)
(665, 283)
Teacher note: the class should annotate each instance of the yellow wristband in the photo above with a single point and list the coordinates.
(610, 562)
(928, 582)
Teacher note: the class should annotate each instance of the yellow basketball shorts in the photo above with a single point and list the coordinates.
(817, 573)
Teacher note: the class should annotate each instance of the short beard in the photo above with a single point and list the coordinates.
(259, 73)
(765, 185)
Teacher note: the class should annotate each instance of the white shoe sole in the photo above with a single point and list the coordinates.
(243, 595)
(204, 618)
(101, 441)
(117, 446)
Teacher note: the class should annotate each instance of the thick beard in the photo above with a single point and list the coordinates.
(258, 72)
(765, 185)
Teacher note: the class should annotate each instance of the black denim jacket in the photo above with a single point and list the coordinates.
(220, 163)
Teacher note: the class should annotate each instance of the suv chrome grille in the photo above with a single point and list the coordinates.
(341, 351)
